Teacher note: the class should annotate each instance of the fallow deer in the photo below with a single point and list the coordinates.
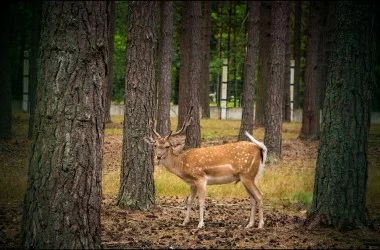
(239, 161)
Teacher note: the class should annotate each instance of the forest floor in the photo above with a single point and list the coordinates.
(160, 227)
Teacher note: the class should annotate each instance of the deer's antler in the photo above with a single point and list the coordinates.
(187, 122)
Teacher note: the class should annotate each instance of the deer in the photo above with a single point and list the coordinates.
(214, 165)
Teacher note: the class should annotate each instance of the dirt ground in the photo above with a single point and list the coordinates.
(160, 227)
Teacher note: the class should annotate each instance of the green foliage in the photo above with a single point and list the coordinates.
(119, 68)
(119, 62)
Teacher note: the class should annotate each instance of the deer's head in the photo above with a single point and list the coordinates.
(164, 144)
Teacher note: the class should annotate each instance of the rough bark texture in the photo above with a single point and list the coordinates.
(184, 66)
(288, 53)
(265, 40)
(165, 68)
(5, 71)
(297, 53)
(250, 69)
(136, 184)
(205, 60)
(273, 129)
(324, 48)
(310, 110)
(339, 197)
(193, 133)
(111, 6)
(63, 197)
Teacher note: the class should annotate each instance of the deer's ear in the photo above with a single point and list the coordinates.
(149, 140)
(177, 147)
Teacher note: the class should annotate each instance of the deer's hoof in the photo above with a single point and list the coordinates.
(249, 225)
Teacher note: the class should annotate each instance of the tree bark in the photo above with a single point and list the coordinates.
(193, 133)
(265, 40)
(111, 6)
(184, 84)
(339, 197)
(273, 129)
(205, 59)
(63, 197)
(163, 126)
(297, 53)
(286, 106)
(136, 184)
(250, 69)
(310, 110)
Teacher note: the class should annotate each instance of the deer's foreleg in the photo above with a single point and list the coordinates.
(189, 202)
(202, 198)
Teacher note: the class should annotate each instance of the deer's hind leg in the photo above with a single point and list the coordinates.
(256, 198)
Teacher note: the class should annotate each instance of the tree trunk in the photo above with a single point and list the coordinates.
(205, 60)
(137, 184)
(111, 6)
(165, 68)
(250, 69)
(5, 76)
(340, 186)
(324, 49)
(63, 197)
(297, 53)
(265, 40)
(184, 84)
(273, 129)
(193, 133)
(310, 110)
(286, 106)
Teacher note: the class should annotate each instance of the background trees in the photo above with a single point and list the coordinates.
(136, 179)
(164, 66)
(274, 104)
(227, 40)
(63, 196)
(193, 133)
(311, 104)
(250, 69)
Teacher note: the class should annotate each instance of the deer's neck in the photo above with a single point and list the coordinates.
(173, 163)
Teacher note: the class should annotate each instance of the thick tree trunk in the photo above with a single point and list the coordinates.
(163, 126)
(193, 133)
(265, 40)
(324, 49)
(137, 185)
(250, 69)
(339, 197)
(184, 84)
(63, 197)
(273, 129)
